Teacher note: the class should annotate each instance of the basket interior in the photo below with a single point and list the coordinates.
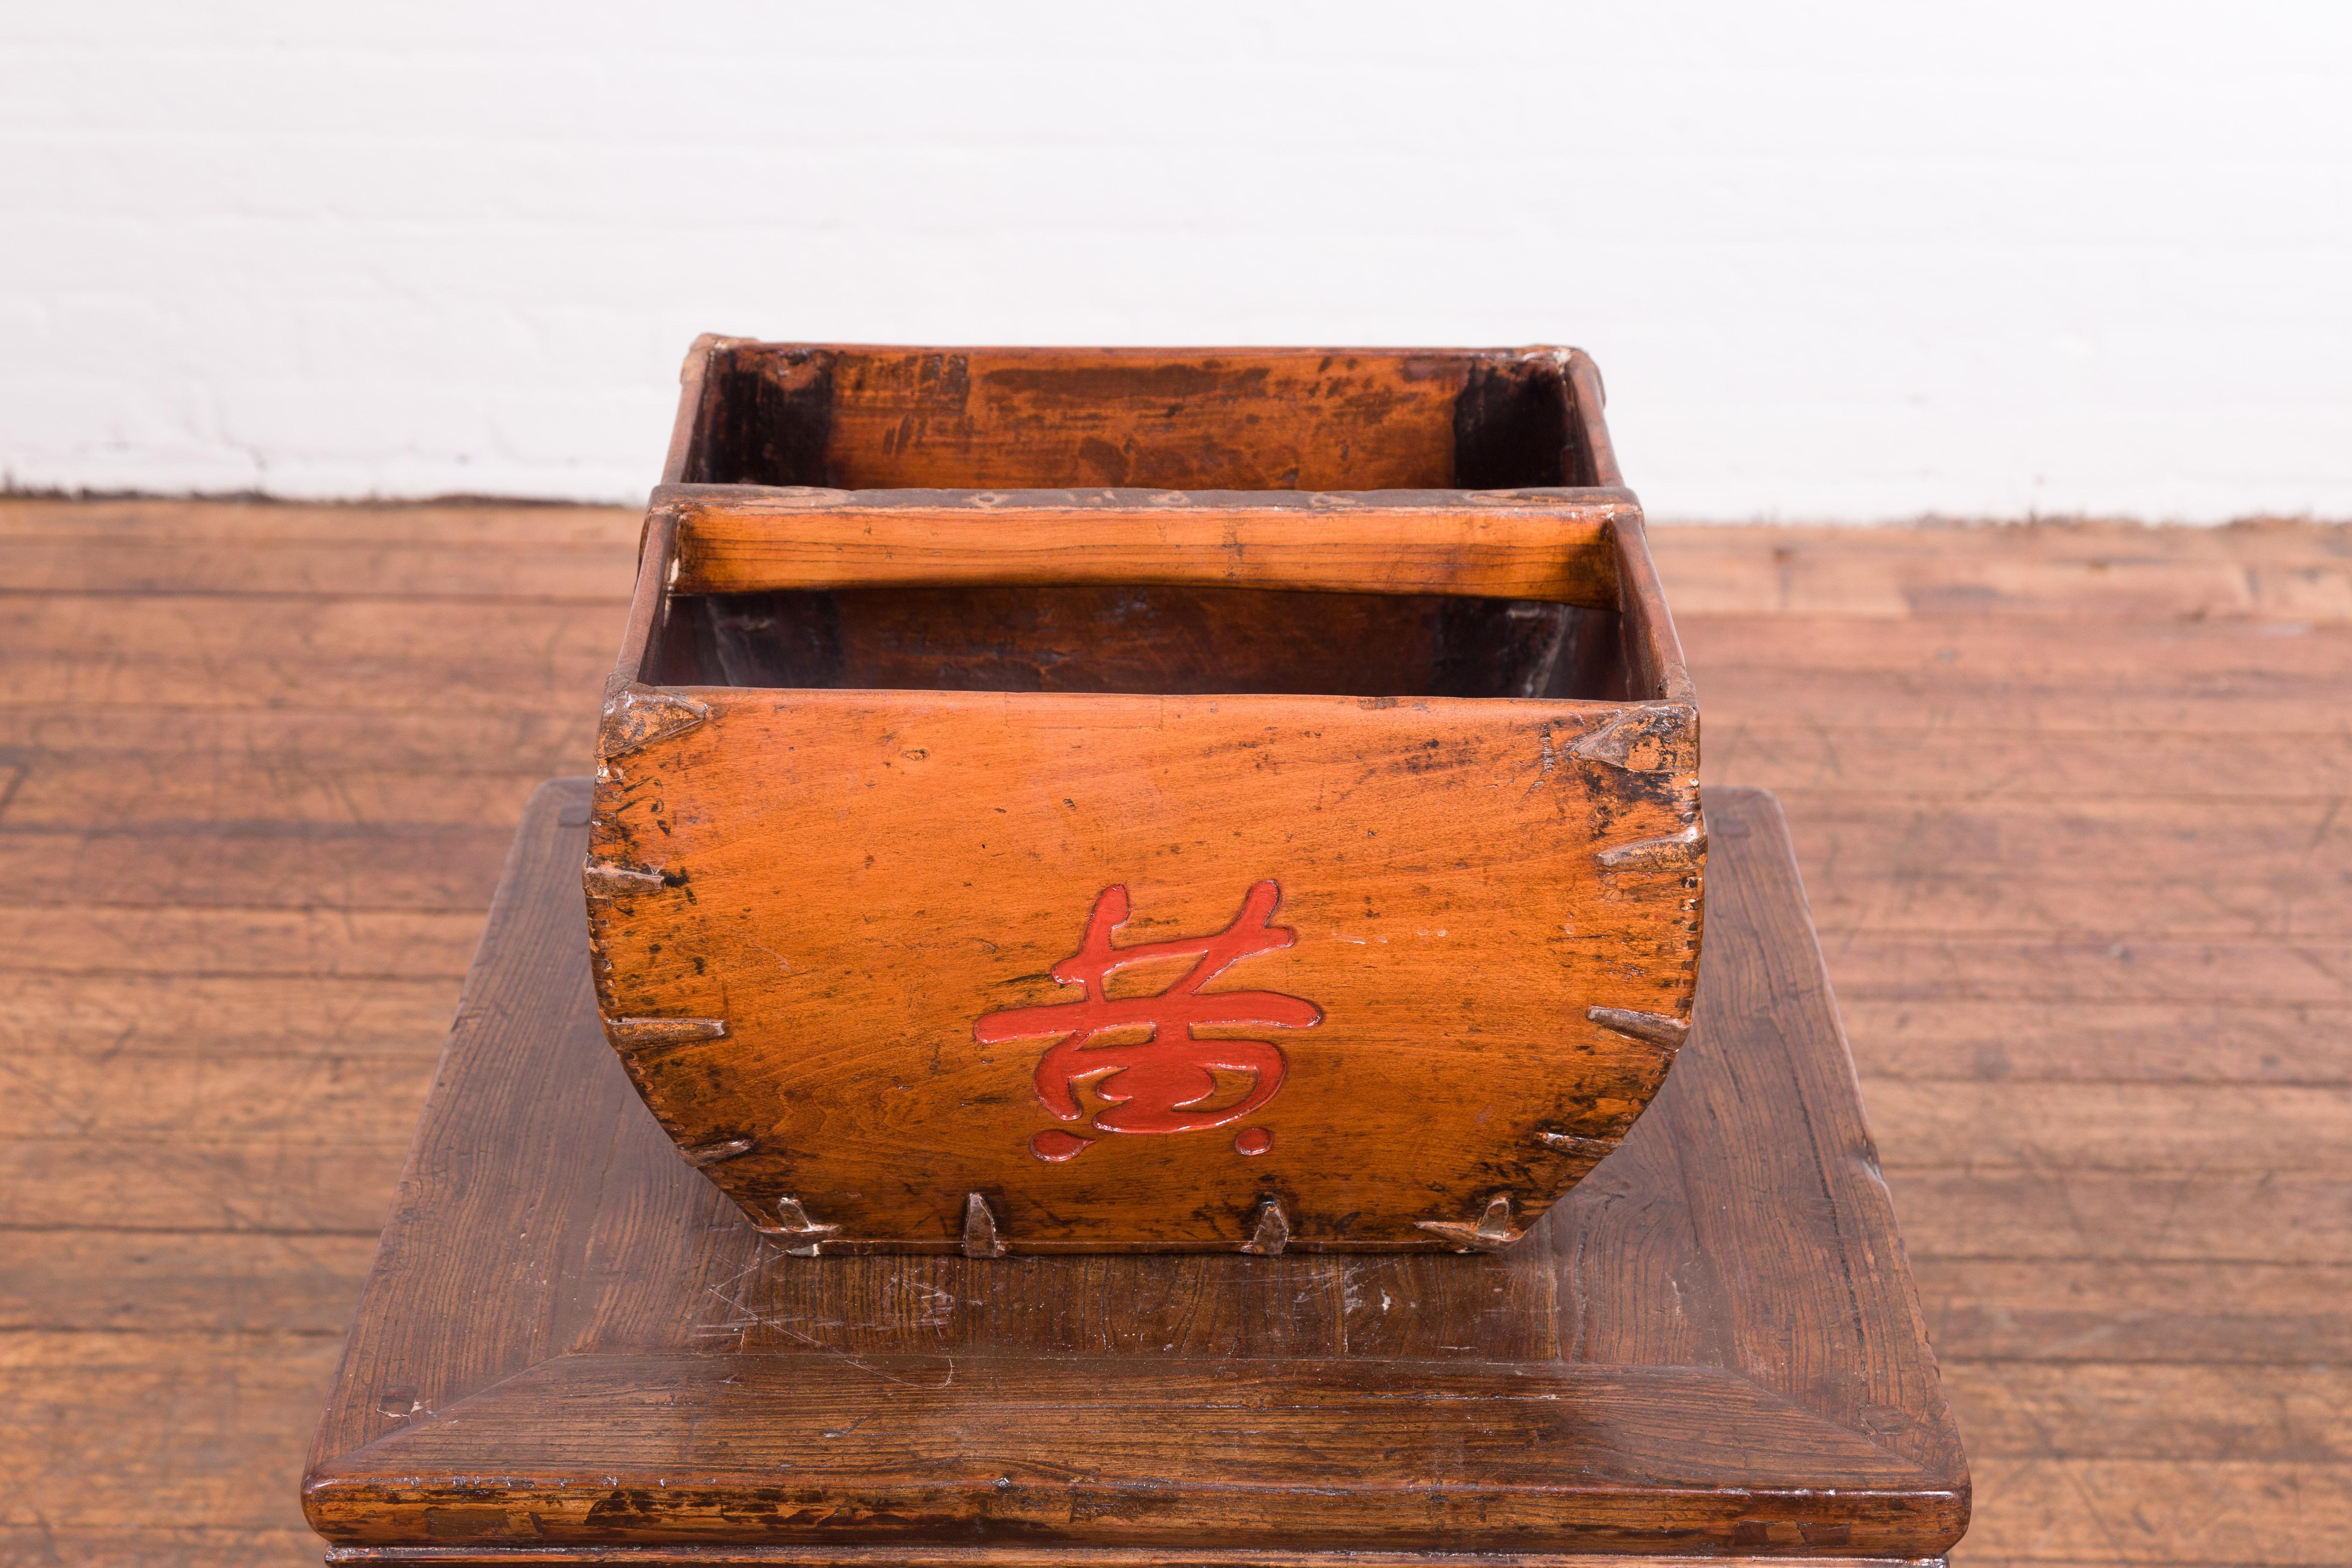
(1268, 419)
(1155, 640)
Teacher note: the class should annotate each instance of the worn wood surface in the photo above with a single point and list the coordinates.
(1194, 419)
(870, 895)
(1713, 1345)
(892, 951)
(1973, 731)
(1505, 544)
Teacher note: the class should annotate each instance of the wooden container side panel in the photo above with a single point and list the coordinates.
(648, 637)
(1594, 456)
(696, 386)
(1282, 419)
(807, 904)
(1653, 651)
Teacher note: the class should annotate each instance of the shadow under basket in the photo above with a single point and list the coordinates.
(1069, 800)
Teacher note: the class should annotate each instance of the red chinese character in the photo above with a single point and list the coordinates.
(1159, 1083)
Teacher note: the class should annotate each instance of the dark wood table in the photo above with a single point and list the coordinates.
(571, 1349)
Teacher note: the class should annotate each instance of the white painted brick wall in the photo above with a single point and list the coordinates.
(1859, 260)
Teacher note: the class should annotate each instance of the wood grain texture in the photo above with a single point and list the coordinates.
(1998, 765)
(72, 1184)
(1195, 419)
(2059, 762)
(111, 1545)
(356, 944)
(173, 1281)
(294, 866)
(261, 525)
(945, 852)
(213, 1410)
(949, 829)
(2105, 678)
(226, 1095)
(131, 565)
(2113, 1311)
(2117, 572)
(2165, 1512)
(642, 1365)
(2163, 1210)
(302, 736)
(2132, 1042)
(1499, 543)
(151, 792)
(191, 1017)
(230, 652)
(2076, 1410)
(1788, 1540)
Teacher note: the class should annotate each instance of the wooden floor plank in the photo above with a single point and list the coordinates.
(223, 1421)
(2120, 1042)
(304, 738)
(77, 793)
(2296, 906)
(2208, 1128)
(2099, 1309)
(154, 1282)
(2181, 1215)
(2066, 968)
(158, 1546)
(2300, 903)
(2318, 592)
(95, 1016)
(208, 1094)
(2286, 844)
(570, 573)
(2052, 570)
(2157, 1513)
(356, 944)
(243, 524)
(299, 1189)
(1953, 548)
(297, 866)
(1785, 752)
(379, 653)
(1927, 655)
(2068, 711)
(2091, 1410)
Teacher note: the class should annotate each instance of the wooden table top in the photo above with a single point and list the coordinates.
(570, 1343)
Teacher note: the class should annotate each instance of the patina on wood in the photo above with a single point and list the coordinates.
(862, 418)
(1207, 860)
(571, 1346)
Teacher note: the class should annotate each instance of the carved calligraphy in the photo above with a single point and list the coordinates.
(1138, 1059)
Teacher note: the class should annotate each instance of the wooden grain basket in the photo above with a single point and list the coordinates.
(1086, 800)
